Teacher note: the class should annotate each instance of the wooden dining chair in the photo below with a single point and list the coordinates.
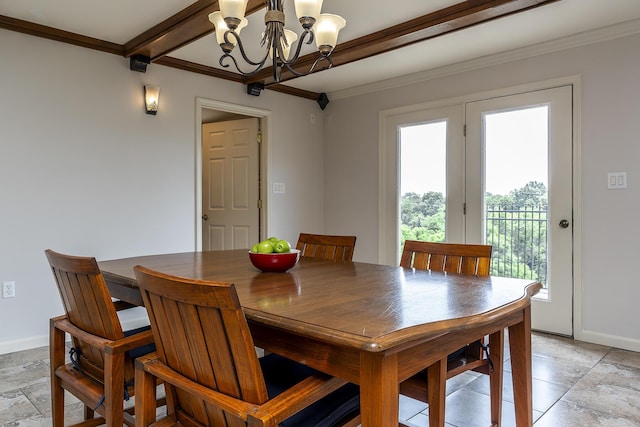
(212, 374)
(430, 385)
(336, 248)
(100, 372)
(450, 257)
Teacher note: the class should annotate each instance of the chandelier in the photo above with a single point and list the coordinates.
(276, 40)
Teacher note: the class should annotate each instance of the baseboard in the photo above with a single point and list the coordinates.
(624, 343)
(24, 344)
(43, 340)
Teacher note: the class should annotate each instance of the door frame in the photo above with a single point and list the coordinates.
(265, 150)
(388, 197)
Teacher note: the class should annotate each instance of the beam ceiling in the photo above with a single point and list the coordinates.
(192, 23)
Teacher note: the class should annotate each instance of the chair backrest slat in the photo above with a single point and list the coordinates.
(199, 326)
(88, 305)
(448, 257)
(328, 247)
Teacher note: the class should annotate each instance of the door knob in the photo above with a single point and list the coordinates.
(205, 217)
(564, 223)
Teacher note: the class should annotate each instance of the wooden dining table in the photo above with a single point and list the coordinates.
(374, 325)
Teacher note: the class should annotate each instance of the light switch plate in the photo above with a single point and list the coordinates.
(278, 188)
(616, 180)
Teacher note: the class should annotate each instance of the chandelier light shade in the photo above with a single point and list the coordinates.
(310, 8)
(218, 21)
(151, 99)
(276, 40)
(327, 28)
(233, 8)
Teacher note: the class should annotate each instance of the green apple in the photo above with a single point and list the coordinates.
(254, 248)
(274, 240)
(265, 247)
(282, 247)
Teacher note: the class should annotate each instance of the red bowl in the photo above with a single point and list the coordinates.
(274, 262)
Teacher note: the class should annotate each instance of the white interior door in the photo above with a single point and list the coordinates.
(520, 146)
(230, 184)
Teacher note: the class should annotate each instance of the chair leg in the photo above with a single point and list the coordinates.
(114, 389)
(496, 347)
(56, 359)
(89, 413)
(145, 397)
(436, 392)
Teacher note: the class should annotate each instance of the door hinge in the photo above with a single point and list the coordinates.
(259, 204)
(464, 130)
(464, 209)
(259, 137)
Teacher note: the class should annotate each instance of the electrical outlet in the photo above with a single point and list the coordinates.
(8, 289)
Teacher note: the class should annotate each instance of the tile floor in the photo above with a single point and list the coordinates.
(574, 384)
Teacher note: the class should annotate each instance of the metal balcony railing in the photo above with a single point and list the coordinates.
(519, 240)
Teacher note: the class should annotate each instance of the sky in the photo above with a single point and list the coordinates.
(423, 158)
(515, 151)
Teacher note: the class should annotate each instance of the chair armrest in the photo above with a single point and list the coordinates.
(273, 412)
(298, 397)
(151, 365)
(130, 342)
(63, 324)
(121, 345)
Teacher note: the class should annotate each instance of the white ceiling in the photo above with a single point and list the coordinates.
(119, 21)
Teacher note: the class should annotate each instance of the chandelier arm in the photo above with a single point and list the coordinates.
(305, 34)
(313, 66)
(242, 51)
(321, 58)
(225, 56)
(235, 64)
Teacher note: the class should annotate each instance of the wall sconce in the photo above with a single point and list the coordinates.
(151, 98)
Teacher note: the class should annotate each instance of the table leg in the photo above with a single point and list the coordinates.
(436, 392)
(379, 389)
(496, 347)
(520, 347)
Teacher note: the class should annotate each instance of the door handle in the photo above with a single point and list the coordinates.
(564, 223)
(205, 217)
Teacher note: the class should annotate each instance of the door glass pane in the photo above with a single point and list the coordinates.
(516, 197)
(423, 160)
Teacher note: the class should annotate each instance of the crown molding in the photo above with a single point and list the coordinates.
(577, 40)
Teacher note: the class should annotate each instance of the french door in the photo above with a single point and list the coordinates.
(507, 182)
(519, 198)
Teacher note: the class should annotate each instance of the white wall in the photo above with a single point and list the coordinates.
(610, 114)
(83, 170)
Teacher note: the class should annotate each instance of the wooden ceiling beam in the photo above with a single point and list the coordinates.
(186, 26)
(63, 36)
(457, 17)
(193, 67)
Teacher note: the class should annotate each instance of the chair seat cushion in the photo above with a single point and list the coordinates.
(142, 350)
(456, 354)
(281, 373)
